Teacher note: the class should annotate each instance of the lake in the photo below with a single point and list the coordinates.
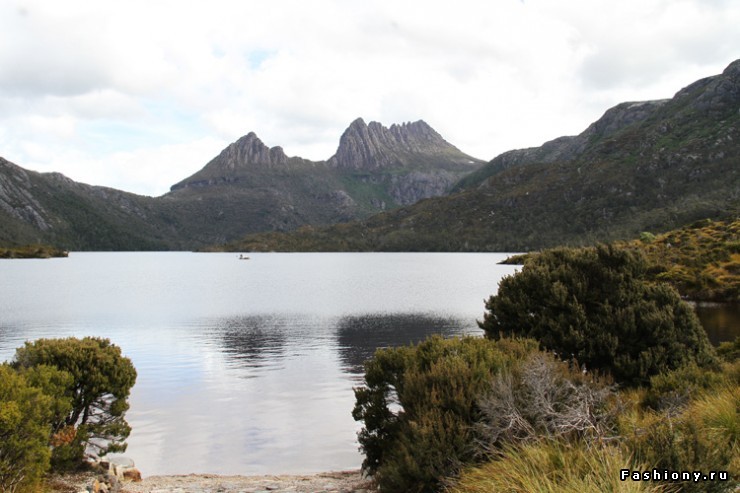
(247, 366)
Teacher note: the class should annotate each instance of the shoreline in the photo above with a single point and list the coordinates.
(323, 482)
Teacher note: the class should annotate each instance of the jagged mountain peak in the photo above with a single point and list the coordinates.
(374, 146)
(248, 152)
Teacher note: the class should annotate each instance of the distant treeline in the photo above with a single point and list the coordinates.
(32, 251)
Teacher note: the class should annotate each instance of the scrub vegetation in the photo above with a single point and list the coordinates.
(61, 400)
(592, 368)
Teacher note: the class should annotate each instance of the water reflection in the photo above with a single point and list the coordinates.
(360, 335)
(720, 320)
(252, 341)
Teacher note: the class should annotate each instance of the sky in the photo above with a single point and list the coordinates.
(138, 95)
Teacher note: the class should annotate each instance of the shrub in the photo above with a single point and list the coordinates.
(97, 389)
(730, 351)
(24, 432)
(593, 304)
(673, 390)
(419, 405)
(544, 397)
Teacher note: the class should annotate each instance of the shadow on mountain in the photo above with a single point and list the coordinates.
(359, 336)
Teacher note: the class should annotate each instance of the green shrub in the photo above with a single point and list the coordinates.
(593, 304)
(419, 405)
(674, 389)
(24, 432)
(730, 351)
(97, 389)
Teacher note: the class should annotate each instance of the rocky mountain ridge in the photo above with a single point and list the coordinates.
(248, 187)
(373, 146)
(643, 166)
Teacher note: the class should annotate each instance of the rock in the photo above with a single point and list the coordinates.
(94, 487)
(132, 474)
(373, 146)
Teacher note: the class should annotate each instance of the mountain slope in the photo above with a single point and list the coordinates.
(248, 187)
(642, 166)
(51, 208)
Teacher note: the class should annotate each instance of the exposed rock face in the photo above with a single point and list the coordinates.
(430, 164)
(567, 148)
(718, 94)
(236, 159)
(373, 146)
(374, 168)
(16, 198)
(411, 188)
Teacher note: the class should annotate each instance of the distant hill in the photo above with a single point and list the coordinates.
(652, 165)
(247, 188)
(52, 209)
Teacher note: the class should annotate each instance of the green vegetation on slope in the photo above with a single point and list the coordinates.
(642, 167)
(701, 260)
(32, 251)
(482, 415)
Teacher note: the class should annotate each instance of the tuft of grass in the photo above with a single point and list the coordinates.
(555, 467)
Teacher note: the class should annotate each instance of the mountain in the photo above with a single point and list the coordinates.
(51, 208)
(643, 166)
(249, 187)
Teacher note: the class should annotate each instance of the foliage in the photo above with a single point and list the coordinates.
(554, 467)
(544, 397)
(702, 260)
(32, 251)
(24, 432)
(592, 304)
(674, 390)
(730, 351)
(704, 436)
(418, 404)
(98, 389)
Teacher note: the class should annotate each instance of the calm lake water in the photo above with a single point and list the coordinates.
(247, 366)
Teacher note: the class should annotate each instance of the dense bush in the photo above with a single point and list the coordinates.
(24, 432)
(419, 405)
(96, 388)
(593, 304)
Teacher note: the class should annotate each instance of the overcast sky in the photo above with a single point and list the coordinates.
(139, 95)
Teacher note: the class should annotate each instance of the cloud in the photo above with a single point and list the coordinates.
(99, 81)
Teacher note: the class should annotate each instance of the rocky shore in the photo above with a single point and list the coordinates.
(329, 482)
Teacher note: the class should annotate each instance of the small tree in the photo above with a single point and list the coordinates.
(97, 389)
(594, 305)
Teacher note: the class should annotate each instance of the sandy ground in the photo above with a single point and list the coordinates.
(330, 482)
